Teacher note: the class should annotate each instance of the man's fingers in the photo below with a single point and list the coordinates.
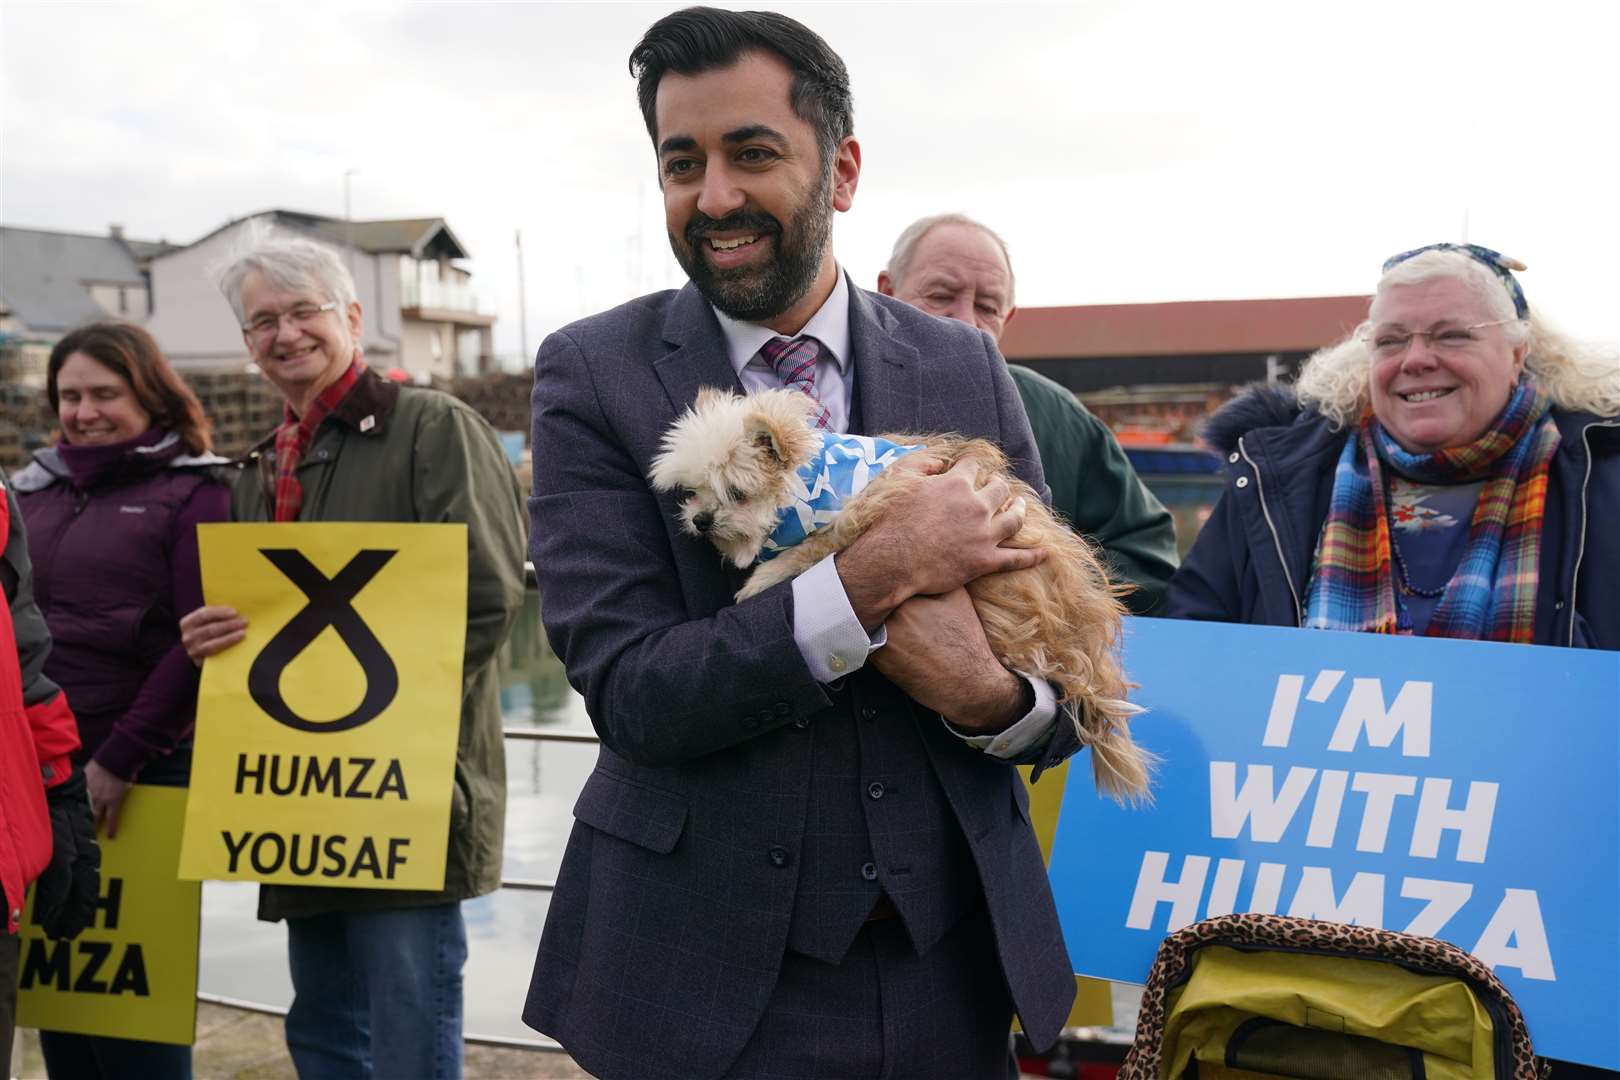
(1019, 558)
(968, 469)
(109, 815)
(1009, 521)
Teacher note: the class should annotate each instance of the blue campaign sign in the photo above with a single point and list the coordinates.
(1462, 790)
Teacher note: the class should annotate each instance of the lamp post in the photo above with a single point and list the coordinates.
(348, 219)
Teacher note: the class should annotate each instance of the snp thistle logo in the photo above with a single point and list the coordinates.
(330, 604)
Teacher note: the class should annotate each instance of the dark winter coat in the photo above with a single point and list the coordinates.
(37, 732)
(1252, 561)
(115, 567)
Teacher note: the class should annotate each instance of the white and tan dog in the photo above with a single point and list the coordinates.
(754, 474)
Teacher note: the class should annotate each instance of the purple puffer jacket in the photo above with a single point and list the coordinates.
(113, 531)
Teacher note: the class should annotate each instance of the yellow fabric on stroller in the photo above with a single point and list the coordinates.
(1245, 1014)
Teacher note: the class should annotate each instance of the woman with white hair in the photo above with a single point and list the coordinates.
(1451, 469)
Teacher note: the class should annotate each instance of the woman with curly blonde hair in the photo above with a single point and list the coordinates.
(1450, 469)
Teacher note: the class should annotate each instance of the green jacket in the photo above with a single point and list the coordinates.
(392, 453)
(1094, 486)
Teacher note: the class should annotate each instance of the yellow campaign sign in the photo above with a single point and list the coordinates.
(326, 740)
(1093, 1000)
(132, 974)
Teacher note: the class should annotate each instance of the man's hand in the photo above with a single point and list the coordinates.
(937, 653)
(106, 796)
(209, 630)
(66, 892)
(939, 534)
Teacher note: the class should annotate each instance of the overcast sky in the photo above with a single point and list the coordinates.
(1128, 151)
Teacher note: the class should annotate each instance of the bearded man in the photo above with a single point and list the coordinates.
(804, 850)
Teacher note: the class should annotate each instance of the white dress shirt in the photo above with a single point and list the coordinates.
(825, 628)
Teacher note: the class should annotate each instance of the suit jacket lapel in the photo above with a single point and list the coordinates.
(886, 369)
(699, 357)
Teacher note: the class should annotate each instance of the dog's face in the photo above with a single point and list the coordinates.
(731, 458)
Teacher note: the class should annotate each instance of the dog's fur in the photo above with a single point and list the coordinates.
(1059, 620)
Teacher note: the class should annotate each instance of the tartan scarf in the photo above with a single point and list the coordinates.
(293, 438)
(1492, 594)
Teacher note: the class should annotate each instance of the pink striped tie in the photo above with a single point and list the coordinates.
(795, 364)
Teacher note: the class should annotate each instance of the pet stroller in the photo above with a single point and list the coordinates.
(1256, 997)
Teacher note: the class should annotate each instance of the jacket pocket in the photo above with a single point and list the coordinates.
(644, 816)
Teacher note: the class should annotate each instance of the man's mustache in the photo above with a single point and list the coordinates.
(756, 221)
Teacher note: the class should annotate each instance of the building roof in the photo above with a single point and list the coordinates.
(1203, 327)
(420, 238)
(44, 274)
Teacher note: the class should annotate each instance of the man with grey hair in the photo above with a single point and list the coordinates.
(377, 973)
(952, 266)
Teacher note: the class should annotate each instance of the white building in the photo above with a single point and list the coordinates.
(420, 312)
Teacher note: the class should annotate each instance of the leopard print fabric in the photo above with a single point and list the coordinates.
(1280, 931)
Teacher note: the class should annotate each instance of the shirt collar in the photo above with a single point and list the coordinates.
(829, 325)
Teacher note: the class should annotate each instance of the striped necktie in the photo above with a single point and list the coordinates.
(795, 364)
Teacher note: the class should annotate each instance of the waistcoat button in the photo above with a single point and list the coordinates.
(779, 856)
(875, 790)
(869, 871)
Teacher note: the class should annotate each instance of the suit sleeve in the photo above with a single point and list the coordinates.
(50, 720)
(662, 683)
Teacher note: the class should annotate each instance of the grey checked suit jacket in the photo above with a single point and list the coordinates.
(668, 924)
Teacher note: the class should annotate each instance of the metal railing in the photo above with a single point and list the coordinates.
(515, 884)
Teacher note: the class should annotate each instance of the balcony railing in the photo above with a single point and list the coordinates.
(443, 296)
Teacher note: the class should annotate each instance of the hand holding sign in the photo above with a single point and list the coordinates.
(211, 629)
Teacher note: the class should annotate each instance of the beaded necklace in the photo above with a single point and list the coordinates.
(1405, 575)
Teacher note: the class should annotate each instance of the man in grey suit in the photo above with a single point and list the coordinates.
(803, 851)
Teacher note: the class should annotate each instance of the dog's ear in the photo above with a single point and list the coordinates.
(776, 426)
(764, 434)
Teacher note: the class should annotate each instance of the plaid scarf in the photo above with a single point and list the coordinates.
(1492, 594)
(293, 439)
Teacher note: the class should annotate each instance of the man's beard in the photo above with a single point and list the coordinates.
(757, 293)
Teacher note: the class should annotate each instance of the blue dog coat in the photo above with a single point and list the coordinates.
(819, 489)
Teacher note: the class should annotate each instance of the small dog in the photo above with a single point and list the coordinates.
(763, 486)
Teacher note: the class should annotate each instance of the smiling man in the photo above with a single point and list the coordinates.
(951, 266)
(376, 974)
(803, 850)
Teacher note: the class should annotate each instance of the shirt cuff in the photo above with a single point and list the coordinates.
(1027, 735)
(830, 638)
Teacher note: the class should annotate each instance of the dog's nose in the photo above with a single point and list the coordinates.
(703, 522)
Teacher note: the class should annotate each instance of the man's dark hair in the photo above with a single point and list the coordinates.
(699, 39)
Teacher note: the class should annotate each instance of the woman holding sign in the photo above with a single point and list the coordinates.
(113, 510)
(1451, 469)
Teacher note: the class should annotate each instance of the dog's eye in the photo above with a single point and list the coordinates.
(738, 495)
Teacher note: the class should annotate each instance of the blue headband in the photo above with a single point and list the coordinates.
(1494, 261)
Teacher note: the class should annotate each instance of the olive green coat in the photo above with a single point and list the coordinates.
(391, 453)
(1095, 488)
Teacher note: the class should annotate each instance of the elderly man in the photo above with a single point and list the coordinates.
(952, 266)
(803, 850)
(377, 973)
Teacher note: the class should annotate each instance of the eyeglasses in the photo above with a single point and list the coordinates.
(300, 315)
(1389, 343)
